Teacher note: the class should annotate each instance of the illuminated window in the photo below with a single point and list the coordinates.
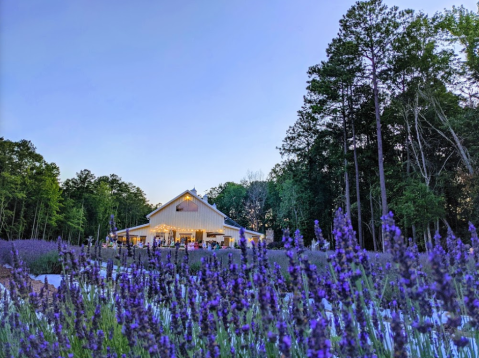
(137, 239)
(134, 239)
(187, 205)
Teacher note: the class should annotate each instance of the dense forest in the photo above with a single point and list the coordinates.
(390, 122)
(34, 204)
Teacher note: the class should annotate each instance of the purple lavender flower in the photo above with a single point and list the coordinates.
(322, 243)
(474, 245)
(443, 286)
(348, 345)
(285, 346)
(471, 302)
(399, 336)
(319, 346)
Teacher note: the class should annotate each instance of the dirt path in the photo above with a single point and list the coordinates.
(37, 285)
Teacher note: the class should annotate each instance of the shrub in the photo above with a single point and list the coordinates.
(276, 245)
(195, 268)
(39, 256)
(45, 264)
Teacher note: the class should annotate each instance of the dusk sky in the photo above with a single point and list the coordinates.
(166, 94)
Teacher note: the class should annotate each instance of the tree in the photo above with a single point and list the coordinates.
(256, 194)
(464, 26)
(230, 199)
(30, 195)
(332, 93)
(291, 210)
(373, 28)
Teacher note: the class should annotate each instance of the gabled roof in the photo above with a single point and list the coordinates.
(178, 196)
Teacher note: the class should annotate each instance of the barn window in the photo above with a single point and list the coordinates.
(187, 205)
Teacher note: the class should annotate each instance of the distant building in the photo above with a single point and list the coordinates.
(188, 218)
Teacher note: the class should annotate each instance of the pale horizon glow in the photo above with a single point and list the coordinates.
(168, 96)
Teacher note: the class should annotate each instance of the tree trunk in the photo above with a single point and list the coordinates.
(429, 236)
(13, 216)
(81, 222)
(382, 179)
(443, 118)
(346, 177)
(98, 233)
(373, 226)
(45, 228)
(40, 212)
(422, 166)
(34, 221)
(1, 212)
(20, 227)
(358, 194)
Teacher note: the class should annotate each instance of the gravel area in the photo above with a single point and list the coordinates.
(5, 274)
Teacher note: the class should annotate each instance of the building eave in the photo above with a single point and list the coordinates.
(246, 230)
(133, 228)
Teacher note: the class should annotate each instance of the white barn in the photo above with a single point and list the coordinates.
(187, 219)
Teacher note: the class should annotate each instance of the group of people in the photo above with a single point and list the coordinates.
(210, 246)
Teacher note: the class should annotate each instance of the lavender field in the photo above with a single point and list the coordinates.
(357, 305)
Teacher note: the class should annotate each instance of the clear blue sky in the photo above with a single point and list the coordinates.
(166, 94)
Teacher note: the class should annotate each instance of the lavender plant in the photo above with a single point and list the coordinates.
(156, 306)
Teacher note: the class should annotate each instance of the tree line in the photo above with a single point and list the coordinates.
(34, 203)
(390, 121)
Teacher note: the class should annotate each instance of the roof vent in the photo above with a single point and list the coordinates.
(205, 198)
(214, 205)
(193, 191)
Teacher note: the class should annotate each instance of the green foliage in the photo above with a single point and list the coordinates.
(464, 26)
(392, 76)
(429, 128)
(418, 205)
(30, 194)
(230, 199)
(195, 268)
(45, 264)
(33, 204)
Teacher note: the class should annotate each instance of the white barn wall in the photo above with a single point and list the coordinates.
(206, 218)
(142, 231)
(234, 233)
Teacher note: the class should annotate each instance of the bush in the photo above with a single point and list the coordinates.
(39, 256)
(46, 264)
(195, 268)
(276, 245)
